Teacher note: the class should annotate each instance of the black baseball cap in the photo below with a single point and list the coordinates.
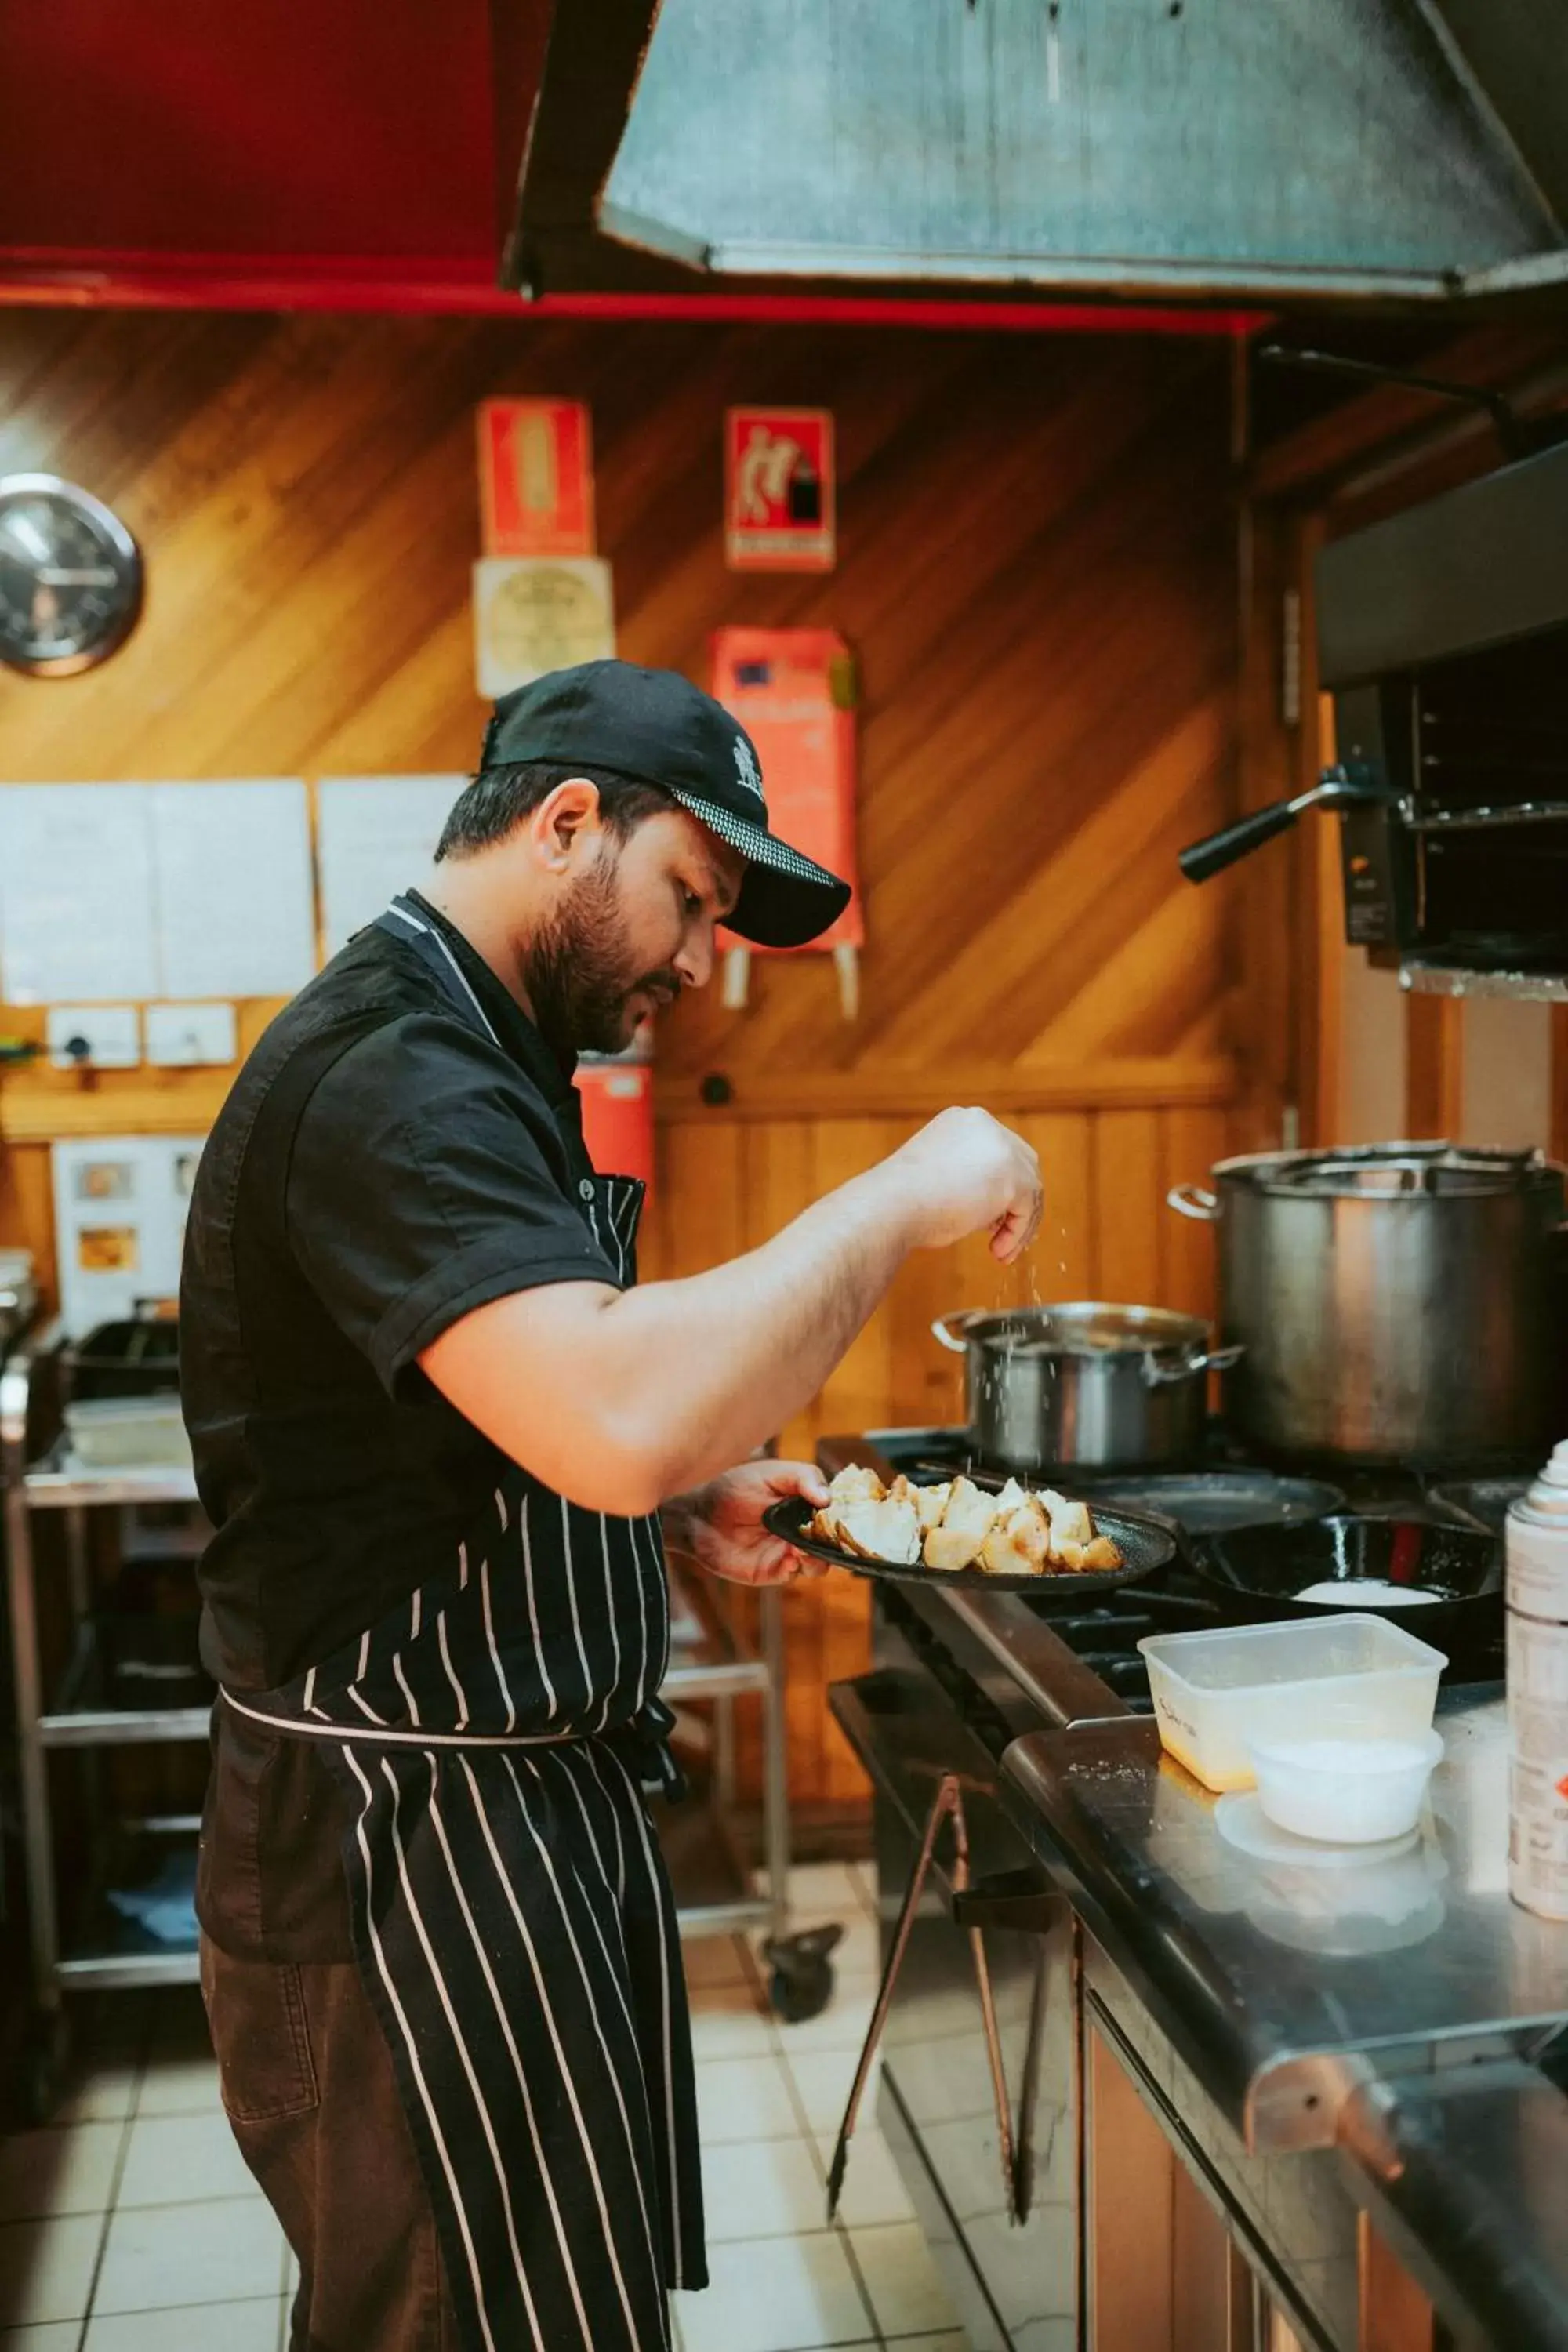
(656, 726)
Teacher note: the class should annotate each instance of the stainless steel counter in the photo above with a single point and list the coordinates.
(1465, 2173)
(1288, 1991)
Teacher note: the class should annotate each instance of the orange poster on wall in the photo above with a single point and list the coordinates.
(793, 692)
(536, 478)
(778, 490)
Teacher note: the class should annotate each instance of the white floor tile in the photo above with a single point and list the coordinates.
(182, 2161)
(953, 2339)
(873, 2190)
(864, 1875)
(69, 2169)
(181, 2074)
(731, 2021)
(825, 1890)
(776, 2295)
(45, 2268)
(161, 2255)
(744, 2099)
(842, 2025)
(858, 1951)
(822, 2079)
(904, 2283)
(179, 2086)
(97, 2091)
(764, 2188)
(55, 2335)
(247, 2327)
(715, 1960)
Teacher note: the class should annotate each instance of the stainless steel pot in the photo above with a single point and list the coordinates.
(1393, 1301)
(1085, 1385)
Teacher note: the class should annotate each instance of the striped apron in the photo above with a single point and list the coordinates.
(511, 1916)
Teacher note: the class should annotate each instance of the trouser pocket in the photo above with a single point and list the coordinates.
(256, 2015)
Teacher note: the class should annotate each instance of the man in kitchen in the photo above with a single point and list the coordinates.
(439, 1432)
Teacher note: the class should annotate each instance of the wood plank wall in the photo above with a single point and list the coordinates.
(1037, 573)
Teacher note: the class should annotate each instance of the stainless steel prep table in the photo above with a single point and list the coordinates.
(1281, 2036)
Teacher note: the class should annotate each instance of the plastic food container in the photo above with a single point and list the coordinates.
(1350, 1677)
(1346, 1792)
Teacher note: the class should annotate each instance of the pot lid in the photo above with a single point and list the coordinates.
(1391, 1170)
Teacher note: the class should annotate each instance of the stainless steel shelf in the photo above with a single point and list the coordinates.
(59, 1482)
(116, 1727)
(127, 1971)
(80, 1719)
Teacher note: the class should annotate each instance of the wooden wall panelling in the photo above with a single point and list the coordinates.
(1038, 575)
(1559, 1130)
(1264, 883)
(1194, 1141)
(1434, 1065)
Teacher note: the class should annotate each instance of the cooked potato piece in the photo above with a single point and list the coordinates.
(886, 1530)
(1101, 1553)
(855, 1485)
(1017, 1545)
(1010, 1498)
(1070, 1524)
(969, 1506)
(930, 1502)
(947, 1550)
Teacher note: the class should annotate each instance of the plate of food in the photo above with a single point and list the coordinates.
(997, 1537)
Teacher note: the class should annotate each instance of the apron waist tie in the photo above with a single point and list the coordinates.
(643, 1744)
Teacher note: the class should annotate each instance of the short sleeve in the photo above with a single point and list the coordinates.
(428, 1178)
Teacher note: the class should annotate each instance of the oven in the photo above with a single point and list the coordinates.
(1443, 637)
(1114, 2137)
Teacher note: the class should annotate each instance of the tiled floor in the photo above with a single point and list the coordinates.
(131, 2225)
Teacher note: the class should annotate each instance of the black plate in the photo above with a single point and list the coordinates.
(1146, 1547)
(1212, 1501)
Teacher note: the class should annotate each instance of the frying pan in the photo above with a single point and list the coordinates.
(1147, 1546)
(1257, 1572)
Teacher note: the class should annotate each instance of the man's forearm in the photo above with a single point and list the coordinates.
(618, 1401)
(710, 1366)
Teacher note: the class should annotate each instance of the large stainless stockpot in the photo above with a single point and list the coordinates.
(1393, 1301)
(1085, 1385)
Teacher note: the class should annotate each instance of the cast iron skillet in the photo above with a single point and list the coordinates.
(1147, 1546)
(1256, 1572)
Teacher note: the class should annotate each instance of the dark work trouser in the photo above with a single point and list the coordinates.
(310, 2092)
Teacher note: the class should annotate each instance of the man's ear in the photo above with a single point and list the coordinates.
(565, 819)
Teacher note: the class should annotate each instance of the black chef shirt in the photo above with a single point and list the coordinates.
(380, 1168)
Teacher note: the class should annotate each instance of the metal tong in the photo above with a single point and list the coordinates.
(1014, 1899)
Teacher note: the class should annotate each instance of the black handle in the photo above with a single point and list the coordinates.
(1008, 1898)
(1212, 855)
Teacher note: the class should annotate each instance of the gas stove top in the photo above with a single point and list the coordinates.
(1074, 1662)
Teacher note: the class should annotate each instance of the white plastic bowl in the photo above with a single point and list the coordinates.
(1344, 1791)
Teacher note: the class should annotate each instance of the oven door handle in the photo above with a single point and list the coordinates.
(1024, 1900)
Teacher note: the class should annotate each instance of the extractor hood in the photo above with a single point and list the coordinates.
(1232, 148)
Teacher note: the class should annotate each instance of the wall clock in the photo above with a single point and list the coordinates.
(70, 577)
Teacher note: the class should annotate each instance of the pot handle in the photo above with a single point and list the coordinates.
(948, 1328)
(1218, 1359)
(1193, 1201)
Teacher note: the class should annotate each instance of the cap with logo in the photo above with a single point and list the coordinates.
(656, 726)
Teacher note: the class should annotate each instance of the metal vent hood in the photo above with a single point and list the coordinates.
(1410, 148)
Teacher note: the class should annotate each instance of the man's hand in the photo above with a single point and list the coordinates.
(967, 1173)
(721, 1525)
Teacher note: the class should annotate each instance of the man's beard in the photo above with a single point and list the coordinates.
(579, 972)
